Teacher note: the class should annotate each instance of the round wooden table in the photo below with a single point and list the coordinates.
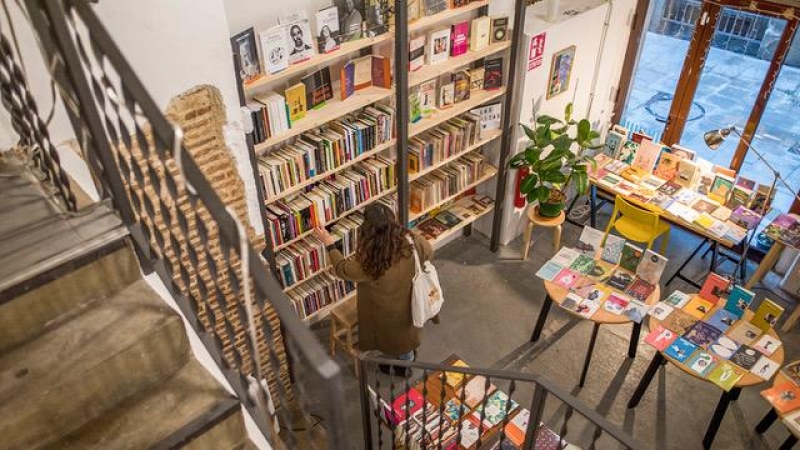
(772, 415)
(557, 294)
(727, 397)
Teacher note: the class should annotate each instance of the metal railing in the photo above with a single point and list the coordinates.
(448, 400)
(186, 234)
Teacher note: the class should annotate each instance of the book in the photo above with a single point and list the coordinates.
(549, 270)
(651, 267)
(363, 72)
(767, 315)
(347, 80)
(427, 98)
(670, 188)
(296, 101)
(705, 205)
(765, 368)
(627, 151)
(667, 166)
(499, 29)
(587, 309)
(722, 319)
(480, 33)
(318, 88)
(582, 264)
(493, 74)
(621, 279)
(792, 372)
(702, 334)
(721, 188)
(459, 36)
(565, 256)
(744, 333)
(631, 256)
(767, 344)
(680, 349)
(714, 287)
(636, 311)
(698, 307)
(571, 302)
(784, 397)
(660, 338)
(407, 404)
(640, 290)
(724, 348)
(328, 36)
(739, 300)
(590, 242)
(616, 303)
(740, 196)
(447, 94)
(683, 152)
(416, 53)
(745, 218)
(701, 363)
(745, 357)
(377, 18)
(660, 311)
(351, 17)
(566, 278)
(476, 78)
(646, 156)
(517, 427)
(760, 203)
(274, 49)
(461, 85)
(688, 173)
(475, 390)
(785, 228)
(679, 321)
(614, 141)
(381, 72)
(725, 375)
(438, 46)
(612, 249)
(601, 271)
(639, 136)
(431, 7)
(678, 299)
(244, 45)
(494, 409)
(299, 40)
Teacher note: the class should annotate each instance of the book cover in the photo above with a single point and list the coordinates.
(660, 311)
(725, 375)
(296, 100)
(705, 205)
(714, 287)
(274, 49)
(651, 267)
(565, 256)
(628, 151)
(680, 349)
(448, 219)
(679, 321)
(571, 302)
(439, 46)
(660, 338)
(698, 307)
(299, 38)
(499, 29)
(745, 218)
(416, 53)
(670, 188)
(784, 397)
(667, 166)
(588, 308)
(616, 303)
(590, 242)
(453, 410)
(614, 141)
(722, 319)
(475, 390)
(432, 228)
(549, 271)
(640, 290)
(678, 299)
(636, 311)
(745, 357)
(701, 363)
(517, 427)
(601, 271)
(760, 204)
(792, 372)
(347, 80)
(459, 34)
(745, 333)
(381, 72)
(702, 334)
(612, 250)
(476, 78)
(740, 196)
(765, 368)
(414, 105)
(688, 173)
(318, 88)
(767, 344)
(427, 98)
(447, 94)
(646, 156)
(739, 300)
(377, 18)
(461, 85)
(328, 36)
(724, 348)
(351, 17)
(566, 277)
(494, 409)
(407, 404)
(363, 72)
(583, 264)
(493, 74)
(631, 255)
(767, 315)
(621, 279)
(480, 32)
(721, 188)
(639, 136)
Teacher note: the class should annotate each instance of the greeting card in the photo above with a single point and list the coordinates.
(631, 255)
(612, 250)
(698, 307)
(767, 344)
(566, 278)
(640, 290)
(660, 338)
(765, 368)
(722, 319)
(784, 397)
(590, 242)
(702, 334)
(565, 256)
(701, 363)
(745, 357)
(678, 299)
(582, 264)
(679, 321)
(744, 332)
(549, 271)
(636, 311)
(616, 303)
(601, 271)
(651, 267)
(680, 349)
(660, 311)
(621, 279)
(726, 375)
(724, 348)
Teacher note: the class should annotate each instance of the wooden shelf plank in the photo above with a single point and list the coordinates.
(461, 225)
(309, 277)
(444, 16)
(489, 172)
(334, 109)
(492, 135)
(476, 99)
(430, 71)
(323, 312)
(299, 187)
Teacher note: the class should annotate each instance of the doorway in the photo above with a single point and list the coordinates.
(703, 66)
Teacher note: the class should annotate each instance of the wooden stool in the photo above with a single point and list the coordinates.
(549, 222)
(344, 320)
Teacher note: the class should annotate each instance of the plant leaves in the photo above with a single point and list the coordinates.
(529, 183)
(554, 176)
(582, 182)
(533, 196)
(528, 132)
(547, 120)
(568, 112)
(584, 127)
(532, 155)
(542, 193)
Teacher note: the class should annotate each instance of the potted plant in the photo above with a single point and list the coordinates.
(555, 158)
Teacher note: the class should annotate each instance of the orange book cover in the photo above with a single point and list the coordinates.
(381, 72)
(784, 397)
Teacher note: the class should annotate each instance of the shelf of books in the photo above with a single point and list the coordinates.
(444, 16)
(452, 219)
(431, 71)
(487, 137)
(426, 194)
(476, 98)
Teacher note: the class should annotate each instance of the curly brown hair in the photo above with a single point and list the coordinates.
(381, 240)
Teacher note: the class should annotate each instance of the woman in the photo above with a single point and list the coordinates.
(383, 268)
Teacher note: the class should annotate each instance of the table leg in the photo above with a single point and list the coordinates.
(527, 240)
(637, 330)
(556, 238)
(691, 257)
(647, 378)
(767, 421)
(589, 352)
(714, 255)
(766, 264)
(593, 205)
(719, 414)
(537, 330)
(788, 443)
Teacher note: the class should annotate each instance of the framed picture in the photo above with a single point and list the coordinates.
(560, 72)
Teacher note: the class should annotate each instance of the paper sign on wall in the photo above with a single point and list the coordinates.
(536, 53)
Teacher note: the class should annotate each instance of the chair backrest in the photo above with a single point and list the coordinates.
(648, 219)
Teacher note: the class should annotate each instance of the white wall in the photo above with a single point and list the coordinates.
(594, 80)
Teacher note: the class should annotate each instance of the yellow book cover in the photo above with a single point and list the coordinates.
(698, 307)
(767, 315)
(705, 220)
(296, 99)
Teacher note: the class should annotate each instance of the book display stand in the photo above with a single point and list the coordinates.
(396, 114)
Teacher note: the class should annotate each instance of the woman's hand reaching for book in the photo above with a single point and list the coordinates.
(323, 235)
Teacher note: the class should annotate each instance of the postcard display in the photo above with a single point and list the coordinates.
(320, 93)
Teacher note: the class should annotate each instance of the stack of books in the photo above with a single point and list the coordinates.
(318, 293)
(785, 228)
(465, 209)
(447, 140)
(442, 183)
(270, 116)
(323, 150)
(345, 232)
(300, 261)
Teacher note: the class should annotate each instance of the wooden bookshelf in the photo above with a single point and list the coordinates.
(492, 135)
(323, 312)
(332, 110)
(489, 171)
(309, 277)
(461, 225)
(444, 16)
(299, 187)
(476, 98)
(430, 71)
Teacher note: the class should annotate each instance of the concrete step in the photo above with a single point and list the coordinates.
(78, 371)
(190, 410)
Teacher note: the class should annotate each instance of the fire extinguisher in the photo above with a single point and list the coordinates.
(519, 197)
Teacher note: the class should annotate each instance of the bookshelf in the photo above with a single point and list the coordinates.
(477, 98)
(323, 312)
(488, 173)
(444, 16)
(491, 136)
(430, 71)
(463, 224)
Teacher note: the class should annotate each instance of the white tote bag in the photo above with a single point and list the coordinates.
(426, 293)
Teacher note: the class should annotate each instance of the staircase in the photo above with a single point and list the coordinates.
(90, 356)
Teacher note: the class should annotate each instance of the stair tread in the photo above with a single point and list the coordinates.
(154, 415)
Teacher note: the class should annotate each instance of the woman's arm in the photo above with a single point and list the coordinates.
(347, 269)
(424, 247)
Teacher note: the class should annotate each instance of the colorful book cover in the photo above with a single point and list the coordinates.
(549, 271)
(767, 344)
(595, 295)
(660, 338)
(318, 88)
(702, 334)
(744, 333)
(740, 196)
(347, 80)
(765, 368)
(724, 348)
(667, 166)
(416, 53)
(660, 311)
(590, 242)
(571, 302)
(407, 404)
(640, 290)
(721, 188)
(601, 271)
(462, 86)
(698, 307)
(701, 363)
(621, 279)
(745, 218)
(678, 299)
(566, 278)
(631, 255)
(646, 157)
(476, 76)
(328, 35)
(739, 300)
(784, 397)
(616, 303)
(725, 375)
(381, 72)
(745, 357)
(636, 311)
(714, 287)
(438, 46)
(722, 319)
(688, 173)
(651, 267)
(583, 264)
(628, 152)
(459, 33)
(453, 410)
(499, 29)
(296, 100)
(474, 391)
(494, 410)
(670, 188)
(614, 141)
(493, 75)
(587, 309)
(414, 106)
(427, 98)
(612, 251)
(679, 321)
(565, 256)
(517, 427)
(767, 315)
(792, 372)
(680, 349)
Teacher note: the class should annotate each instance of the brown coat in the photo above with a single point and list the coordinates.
(384, 305)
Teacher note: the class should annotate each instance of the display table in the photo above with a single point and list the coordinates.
(747, 380)
(557, 294)
(772, 415)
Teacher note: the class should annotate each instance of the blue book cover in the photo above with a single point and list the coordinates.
(739, 300)
(349, 79)
(680, 350)
(722, 319)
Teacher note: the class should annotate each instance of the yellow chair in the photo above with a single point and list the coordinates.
(637, 224)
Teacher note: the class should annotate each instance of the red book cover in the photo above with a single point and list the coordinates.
(640, 290)
(459, 35)
(714, 287)
(381, 72)
(407, 404)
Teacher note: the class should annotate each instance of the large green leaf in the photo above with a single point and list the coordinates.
(582, 182)
(528, 132)
(542, 193)
(554, 176)
(532, 154)
(547, 120)
(529, 183)
(562, 143)
(584, 127)
(533, 196)
(568, 112)
(518, 161)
